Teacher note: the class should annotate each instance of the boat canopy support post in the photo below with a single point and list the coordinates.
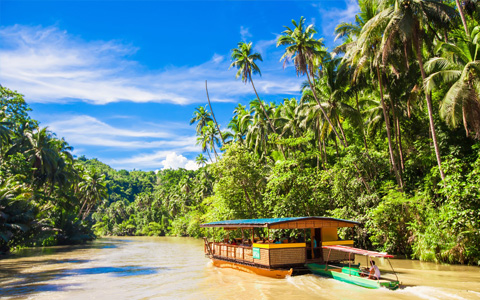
(395, 273)
(349, 264)
(328, 258)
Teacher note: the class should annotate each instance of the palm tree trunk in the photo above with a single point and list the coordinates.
(263, 107)
(462, 16)
(400, 149)
(464, 117)
(396, 123)
(336, 145)
(266, 115)
(215, 151)
(325, 152)
(319, 146)
(209, 156)
(341, 130)
(213, 115)
(321, 108)
(416, 40)
(363, 131)
(387, 125)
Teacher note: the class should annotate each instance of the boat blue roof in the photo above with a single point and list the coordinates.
(268, 221)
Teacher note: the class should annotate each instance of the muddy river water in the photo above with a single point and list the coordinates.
(175, 268)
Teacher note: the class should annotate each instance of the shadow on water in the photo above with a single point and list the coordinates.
(15, 282)
(30, 283)
(41, 251)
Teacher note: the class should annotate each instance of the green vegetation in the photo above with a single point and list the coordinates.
(45, 195)
(386, 133)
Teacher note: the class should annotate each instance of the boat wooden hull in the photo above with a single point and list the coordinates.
(348, 278)
(273, 273)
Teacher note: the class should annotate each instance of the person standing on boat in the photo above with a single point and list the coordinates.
(374, 271)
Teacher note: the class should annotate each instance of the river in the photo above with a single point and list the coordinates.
(175, 268)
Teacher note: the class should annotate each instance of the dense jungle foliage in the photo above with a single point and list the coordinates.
(46, 196)
(386, 133)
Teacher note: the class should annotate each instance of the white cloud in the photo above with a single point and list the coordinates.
(191, 165)
(50, 65)
(159, 159)
(245, 33)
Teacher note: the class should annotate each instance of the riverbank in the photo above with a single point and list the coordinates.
(174, 267)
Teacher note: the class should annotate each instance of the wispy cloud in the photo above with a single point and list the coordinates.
(263, 45)
(50, 65)
(83, 130)
(245, 33)
(331, 17)
(83, 124)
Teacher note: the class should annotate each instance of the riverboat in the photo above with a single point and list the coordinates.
(264, 257)
(353, 273)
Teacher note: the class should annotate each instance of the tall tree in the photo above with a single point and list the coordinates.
(407, 21)
(244, 60)
(458, 67)
(202, 117)
(304, 48)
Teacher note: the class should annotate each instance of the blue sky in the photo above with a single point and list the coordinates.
(119, 80)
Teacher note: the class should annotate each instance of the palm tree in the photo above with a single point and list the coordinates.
(204, 141)
(351, 31)
(361, 56)
(201, 160)
(405, 21)
(202, 117)
(459, 68)
(211, 132)
(93, 190)
(42, 154)
(244, 60)
(257, 135)
(287, 115)
(304, 49)
(213, 115)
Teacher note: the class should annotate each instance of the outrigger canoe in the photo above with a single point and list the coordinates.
(353, 274)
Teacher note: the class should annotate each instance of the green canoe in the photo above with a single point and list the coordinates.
(352, 273)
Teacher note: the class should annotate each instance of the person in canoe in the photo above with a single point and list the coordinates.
(374, 272)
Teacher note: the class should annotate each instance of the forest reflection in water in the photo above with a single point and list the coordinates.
(175, 268)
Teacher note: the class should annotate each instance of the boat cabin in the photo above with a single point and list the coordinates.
(257, 248)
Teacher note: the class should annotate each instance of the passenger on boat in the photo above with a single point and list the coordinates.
(284, 238)
(300, 239)
(374, 271)
(277, 241)
(234, 242)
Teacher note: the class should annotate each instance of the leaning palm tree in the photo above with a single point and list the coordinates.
(303, 48)
(459, 68)
(244, 60)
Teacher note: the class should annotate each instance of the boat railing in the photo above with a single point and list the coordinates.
(236, 252)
